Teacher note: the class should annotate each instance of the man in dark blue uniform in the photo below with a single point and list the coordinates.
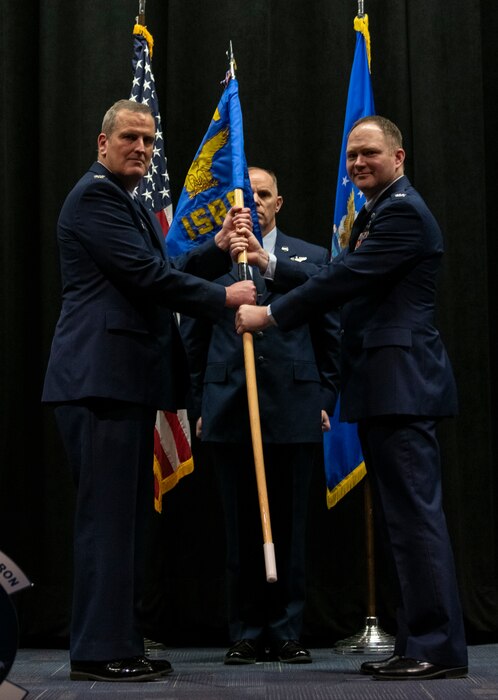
(297, 378)
(396, 382)
(116, 358)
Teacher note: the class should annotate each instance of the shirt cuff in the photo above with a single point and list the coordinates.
(269, 273)
(270, 316)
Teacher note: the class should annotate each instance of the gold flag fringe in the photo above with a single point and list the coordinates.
(345, 486)
(166, 484)
(140, 29)
(361, 25)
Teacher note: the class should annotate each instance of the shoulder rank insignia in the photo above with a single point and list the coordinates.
(285, 248)
(400, 194)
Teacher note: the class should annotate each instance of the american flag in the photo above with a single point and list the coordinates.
(154, 187)
(172, 451)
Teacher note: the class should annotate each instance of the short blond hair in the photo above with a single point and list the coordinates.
(391, 132)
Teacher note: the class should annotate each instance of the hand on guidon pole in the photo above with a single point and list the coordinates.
(237, 223)
(245, 248)
(252, 318)
(243, 292)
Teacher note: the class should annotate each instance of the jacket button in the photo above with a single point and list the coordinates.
(260, 358)
(259, 334)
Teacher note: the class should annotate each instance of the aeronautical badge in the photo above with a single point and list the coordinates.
(361, 238)
(99, 177)
(299, 258)
(399, 194)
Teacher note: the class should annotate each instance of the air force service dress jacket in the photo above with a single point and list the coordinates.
(393, 359)
(297, 372)
(116, 336)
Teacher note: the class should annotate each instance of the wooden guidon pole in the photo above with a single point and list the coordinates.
(255, 423)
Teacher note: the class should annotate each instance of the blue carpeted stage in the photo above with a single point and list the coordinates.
(199, 674)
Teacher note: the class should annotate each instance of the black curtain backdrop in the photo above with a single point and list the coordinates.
(434, 72)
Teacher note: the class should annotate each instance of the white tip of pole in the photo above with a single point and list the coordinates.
(270, 564)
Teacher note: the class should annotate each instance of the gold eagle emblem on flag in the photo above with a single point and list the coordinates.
(199, 177)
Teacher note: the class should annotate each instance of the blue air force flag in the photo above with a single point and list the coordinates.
(344, 465)
(360, 103)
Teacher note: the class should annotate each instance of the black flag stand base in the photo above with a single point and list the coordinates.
(370, 640)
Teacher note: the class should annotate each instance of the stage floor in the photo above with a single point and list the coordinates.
(199, 674)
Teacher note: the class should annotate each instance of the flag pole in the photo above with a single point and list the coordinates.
(141, 12)
(253, 403)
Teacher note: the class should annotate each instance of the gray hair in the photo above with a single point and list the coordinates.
(266, 170)
(109, 121)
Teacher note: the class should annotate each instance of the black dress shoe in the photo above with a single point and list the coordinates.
(242, 652)
(138, 668)
(405, 669)
(290, 651)
(370, 667)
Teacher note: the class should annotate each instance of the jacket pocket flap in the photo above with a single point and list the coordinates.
(216, 372)
(388, 336)
(306, 372)
(117, 320)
